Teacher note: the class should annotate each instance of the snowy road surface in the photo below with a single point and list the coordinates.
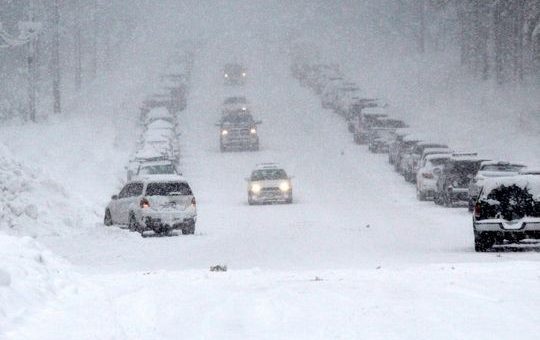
(356, 256)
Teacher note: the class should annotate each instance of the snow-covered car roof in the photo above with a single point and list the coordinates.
(158, 113)
(438, 156)
(414, 137)
(437, 151)
(160, 124)
(466, 156)
(148, 152)
(269, 165)
(160, 178)
(374, 110)
(157, 136)
(156, 163)
(530, 182)
(530, 171)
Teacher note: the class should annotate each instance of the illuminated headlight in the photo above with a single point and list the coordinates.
(284, 186)
(244, 108)
(243, 74)
(224, 132)
(253, 131)
(226, 75)
(255, 188)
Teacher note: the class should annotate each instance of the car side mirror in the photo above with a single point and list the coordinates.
(114, 197)
(218, 124)
(258, 122)
(247, 179)
(291, 177)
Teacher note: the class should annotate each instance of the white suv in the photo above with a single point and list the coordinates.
(269, 183)
(159, 203)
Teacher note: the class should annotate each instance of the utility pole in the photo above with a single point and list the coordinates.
(57, 104)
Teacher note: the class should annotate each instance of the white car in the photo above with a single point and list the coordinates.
(269, 183)
(164, 167)
(158, 203)
(426, 177)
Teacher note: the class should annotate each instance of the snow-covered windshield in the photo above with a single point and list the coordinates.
(166, 188)
(438, 161)
(157, 169)
(268, 174)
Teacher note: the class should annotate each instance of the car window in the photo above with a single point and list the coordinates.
(157, 169)
(123, 192)
(268, 174)
(135, 189)
(166, 188)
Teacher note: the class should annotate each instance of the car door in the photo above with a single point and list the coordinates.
(132, 200)
(116, 205)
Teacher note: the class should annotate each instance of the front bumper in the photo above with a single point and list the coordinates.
(271, 196)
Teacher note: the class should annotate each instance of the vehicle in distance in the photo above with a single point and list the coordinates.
(235, 103)
(238, 131)
(508, 208)
(269, 183)
(234, 74)
(158, 203)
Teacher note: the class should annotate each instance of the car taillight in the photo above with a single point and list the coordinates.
(477, 211)
(193, 202)
(144, 203)
(427, 175)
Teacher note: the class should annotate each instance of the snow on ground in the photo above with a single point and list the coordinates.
(355, 256)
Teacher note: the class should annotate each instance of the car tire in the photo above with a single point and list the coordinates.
(189, 229)
(420, 195)
(107, 220)
(133, 225)
(255, 147)
(289, 200)
(483, 242)
(222, 148)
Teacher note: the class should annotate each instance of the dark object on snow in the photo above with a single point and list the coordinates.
(218, 268)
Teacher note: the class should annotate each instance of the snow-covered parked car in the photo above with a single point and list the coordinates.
(155, 203)
(454, 178)
(269, 183)
(508, 208)
(427, 176)
(490, 169)
(413, 161)
(235, 104)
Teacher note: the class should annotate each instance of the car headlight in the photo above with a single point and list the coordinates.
(224, 132)
(226, 75)
(284, 186)
(253, 131)
(256, 188)
(243, 74)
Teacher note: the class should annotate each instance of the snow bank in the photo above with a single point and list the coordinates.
(29, 274)
(30, 203)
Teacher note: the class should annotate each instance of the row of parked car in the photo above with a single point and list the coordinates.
(156, 197)
(503, 196)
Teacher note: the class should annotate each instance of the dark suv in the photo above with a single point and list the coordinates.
(453, 183)
(508, 208)
(234, 74)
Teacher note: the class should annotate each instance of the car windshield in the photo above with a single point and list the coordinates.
(268, 174)
(166, 188)
(238, 118)
(235, 100)
(438, 161)
(157, 169)
(502, 167)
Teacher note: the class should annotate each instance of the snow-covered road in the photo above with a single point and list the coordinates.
(356, 256)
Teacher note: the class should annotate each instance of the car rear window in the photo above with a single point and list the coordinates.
(157, 169)
(167, 188)
(268, 174)
(502, 167)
